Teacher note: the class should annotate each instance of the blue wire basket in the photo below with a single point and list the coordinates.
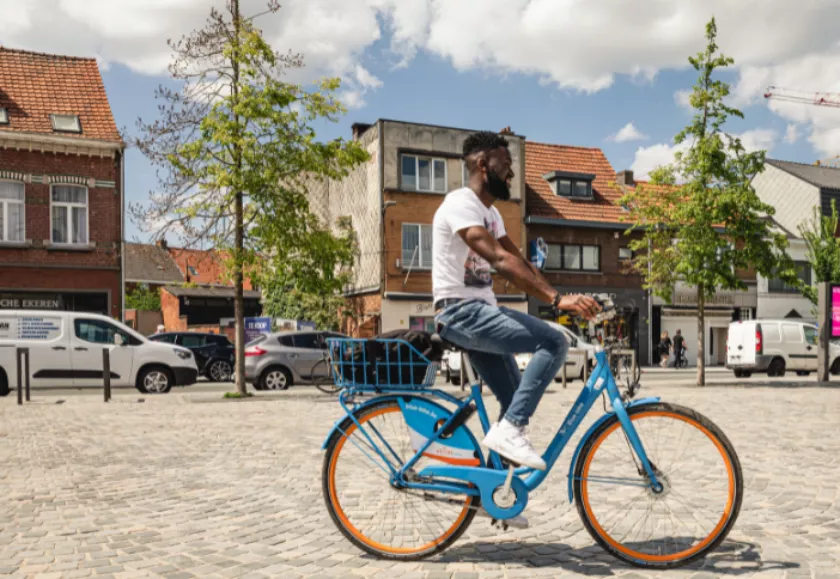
(380, 364)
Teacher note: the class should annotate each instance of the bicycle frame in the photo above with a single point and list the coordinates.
(484, 480)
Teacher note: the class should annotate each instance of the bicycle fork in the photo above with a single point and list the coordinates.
(636, 445)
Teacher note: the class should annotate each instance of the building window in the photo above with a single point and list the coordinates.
(572, 188)
(69, 215)
(422, 324)
(803, 272)
(416, 246)
(4, 116)
(423, 174)
(745, 315)
(625, 253)
(573, 257)
(66, 123)
(12, 209)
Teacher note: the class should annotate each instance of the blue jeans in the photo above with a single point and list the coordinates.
(492, 335)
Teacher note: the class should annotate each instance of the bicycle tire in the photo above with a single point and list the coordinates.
(344, 524)
(634, 556)
(325, 384)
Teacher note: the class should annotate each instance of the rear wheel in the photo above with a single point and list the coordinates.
(687, 518)
(276, 378)
(220, 371)
(322, 377)
(776, 368)
(375, 515)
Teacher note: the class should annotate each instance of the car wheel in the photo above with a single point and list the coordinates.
(220, 371)
(4, 385)
(777, 368)
(155, 380)
(802, 373)
(276, 379)
(835, 367)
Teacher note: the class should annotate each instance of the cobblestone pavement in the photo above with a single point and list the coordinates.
(186, 485)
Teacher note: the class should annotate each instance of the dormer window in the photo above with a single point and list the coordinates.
(66, 123)
(570, 185)
(4, 116)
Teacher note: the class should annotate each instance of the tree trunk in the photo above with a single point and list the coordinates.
(239, 226)
(701, 337)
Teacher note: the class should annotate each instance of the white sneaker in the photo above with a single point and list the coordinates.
(510, 441)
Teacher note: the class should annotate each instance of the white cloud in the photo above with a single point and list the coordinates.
(681, 97)
(628, 132)
(561, 42)
(791, 134)
(649, 158)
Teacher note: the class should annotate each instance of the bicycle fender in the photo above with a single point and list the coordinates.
(588, 433)
(338, 422)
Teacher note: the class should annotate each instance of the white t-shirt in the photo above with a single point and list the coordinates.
(457, 271)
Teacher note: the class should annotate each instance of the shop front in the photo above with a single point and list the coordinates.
(629, 327)
(95, 302)
(722, 309)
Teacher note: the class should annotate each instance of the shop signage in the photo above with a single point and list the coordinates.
(685, 299)
(256, 327)
(835, 311)
(30, 302)
(424, 307)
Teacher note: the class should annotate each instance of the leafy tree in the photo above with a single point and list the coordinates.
(312, 290)
(143, 298)
(236, 151)
(823, 249)
(703, 223)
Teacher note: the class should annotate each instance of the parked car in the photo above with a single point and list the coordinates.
(214, 354)
(451, 363)
(277, 361)
(575, 360)
(774, 347)
(66, 349)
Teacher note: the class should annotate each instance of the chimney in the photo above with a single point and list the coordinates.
(161, 243)
(507, 131)
(359, 129)
(625, 178)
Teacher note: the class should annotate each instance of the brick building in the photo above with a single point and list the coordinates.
(573, 204)
(61, 186)
(391, 201)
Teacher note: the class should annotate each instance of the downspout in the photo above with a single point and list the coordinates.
(382, 261)
(122, 234)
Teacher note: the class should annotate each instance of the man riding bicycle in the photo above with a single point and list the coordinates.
(469, 239)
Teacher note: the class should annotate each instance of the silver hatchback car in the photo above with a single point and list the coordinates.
(276, 361)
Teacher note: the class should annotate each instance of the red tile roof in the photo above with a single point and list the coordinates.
(207, 265)
(34, 85)
(543, 158)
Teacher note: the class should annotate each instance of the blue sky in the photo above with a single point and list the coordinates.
(569, 71)
(431, 90)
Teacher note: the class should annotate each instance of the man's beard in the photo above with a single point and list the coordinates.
(497, 186)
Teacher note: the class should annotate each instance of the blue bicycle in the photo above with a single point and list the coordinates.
(657, 485)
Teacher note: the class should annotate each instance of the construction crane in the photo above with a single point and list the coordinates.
(821, 99)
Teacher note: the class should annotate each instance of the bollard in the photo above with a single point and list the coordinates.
(23, 381)
(106, 372)
(565, 378)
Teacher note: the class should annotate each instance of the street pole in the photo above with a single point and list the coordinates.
(824, 292)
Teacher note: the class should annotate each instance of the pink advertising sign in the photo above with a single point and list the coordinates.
(835, 311)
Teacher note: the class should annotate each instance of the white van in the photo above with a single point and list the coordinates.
(65, 349)
(775, 346)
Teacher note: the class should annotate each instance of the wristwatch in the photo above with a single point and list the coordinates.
(556, 301)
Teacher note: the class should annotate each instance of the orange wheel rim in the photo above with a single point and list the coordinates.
(727, 512)
(352, 528)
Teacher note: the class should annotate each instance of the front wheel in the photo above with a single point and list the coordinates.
(376, 515)
(155, 381)
(702, 487)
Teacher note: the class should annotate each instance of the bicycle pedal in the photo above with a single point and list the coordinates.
(517, 522)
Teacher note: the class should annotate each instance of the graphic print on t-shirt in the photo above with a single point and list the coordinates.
(476, 268)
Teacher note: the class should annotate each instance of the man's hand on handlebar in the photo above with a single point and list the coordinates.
(578, 305)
